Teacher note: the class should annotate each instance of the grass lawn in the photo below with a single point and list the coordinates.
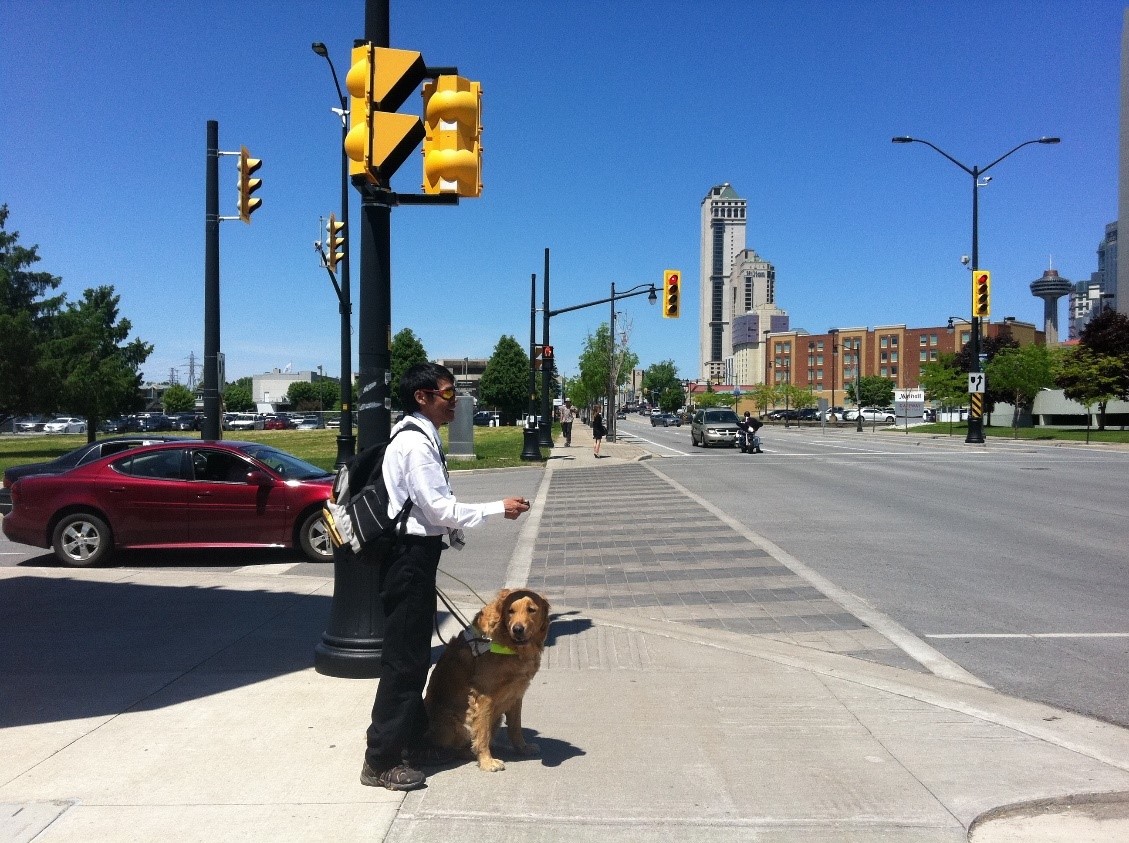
(1038, 434)
(495, 447)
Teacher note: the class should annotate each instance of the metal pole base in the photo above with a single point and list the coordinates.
(545, 435)
(530, 449)
(975, 431)
(350, 647)
(858, 427)
(345, 450)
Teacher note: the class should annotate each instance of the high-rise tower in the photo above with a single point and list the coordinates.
(1050, 288)
(723, 239)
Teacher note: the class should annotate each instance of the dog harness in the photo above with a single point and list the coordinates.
(480, 644)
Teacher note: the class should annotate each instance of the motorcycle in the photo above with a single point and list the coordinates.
(748, 441)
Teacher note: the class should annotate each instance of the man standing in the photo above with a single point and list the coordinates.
(414, 468)
(566, 422)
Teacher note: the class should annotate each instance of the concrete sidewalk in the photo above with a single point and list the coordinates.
(160, 704)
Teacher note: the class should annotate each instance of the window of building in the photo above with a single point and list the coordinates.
(932, 339)
(883, 372)
(893, 357)
(924, 354)
(884, 356)
(924, 339)
(883, 342)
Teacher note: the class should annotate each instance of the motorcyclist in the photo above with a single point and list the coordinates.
(750, 442)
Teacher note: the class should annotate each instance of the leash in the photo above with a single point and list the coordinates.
(454, 610)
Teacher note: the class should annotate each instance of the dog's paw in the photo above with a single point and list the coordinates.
(528, 749)
(491, 765)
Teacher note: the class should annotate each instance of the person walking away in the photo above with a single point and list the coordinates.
(566, 423)
(598, 432)
(415, 469)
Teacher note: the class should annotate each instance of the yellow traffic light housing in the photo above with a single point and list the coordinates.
(379, 140)
(452, 142)
(672, 295)
(334, 242)
(981, 293)
(247, 185)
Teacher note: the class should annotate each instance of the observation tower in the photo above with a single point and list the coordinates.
(1050, 288)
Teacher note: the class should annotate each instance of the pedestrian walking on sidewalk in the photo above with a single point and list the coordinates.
(598, 432)
(416, 470)
(567, 416)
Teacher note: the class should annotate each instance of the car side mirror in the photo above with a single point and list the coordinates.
(259, 478)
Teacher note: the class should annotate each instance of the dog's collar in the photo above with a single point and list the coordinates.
(480, 644)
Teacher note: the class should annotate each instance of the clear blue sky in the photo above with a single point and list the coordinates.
(605, 124)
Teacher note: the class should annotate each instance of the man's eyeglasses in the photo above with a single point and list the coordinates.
(447, 394)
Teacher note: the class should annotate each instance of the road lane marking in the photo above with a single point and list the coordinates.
(931, 659)
(1029, 635)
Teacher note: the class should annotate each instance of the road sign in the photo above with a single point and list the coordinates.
(976, 383)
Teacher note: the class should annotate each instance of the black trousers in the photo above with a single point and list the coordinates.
(408, 596)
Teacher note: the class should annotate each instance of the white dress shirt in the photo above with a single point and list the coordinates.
(414, 468)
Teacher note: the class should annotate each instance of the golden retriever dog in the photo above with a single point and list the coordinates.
(484, 673)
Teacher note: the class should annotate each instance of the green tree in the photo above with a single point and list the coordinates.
(764, 396)
(595, 364)
(178, 399)
(96, 372)
(1107, 335)
(329, 392)
(237, 396)
(1089, 379)
(989, 347)
(944, 381)
(303, 395)
(1021, 372)
(661, 377)
(407, 351)
(505, 382)
(27, 315)
(873, 391)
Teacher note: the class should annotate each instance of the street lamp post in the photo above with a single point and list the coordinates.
(858, 390)
(346, 443)
(975, 419)
(834, 334)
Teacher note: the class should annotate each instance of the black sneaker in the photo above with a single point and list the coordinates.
(400, 777)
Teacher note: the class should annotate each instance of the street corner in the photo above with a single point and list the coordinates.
(1069, 819)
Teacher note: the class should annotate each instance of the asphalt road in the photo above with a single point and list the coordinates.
(1010, 558)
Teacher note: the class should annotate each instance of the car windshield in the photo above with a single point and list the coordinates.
(287, 465)
(721, 417)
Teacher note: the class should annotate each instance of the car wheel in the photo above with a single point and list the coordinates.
(81, 540)
(313, 536)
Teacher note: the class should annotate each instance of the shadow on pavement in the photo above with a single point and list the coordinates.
(74, 648)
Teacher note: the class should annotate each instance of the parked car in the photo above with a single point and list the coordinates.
(277, 423)
(884, 414)
(173, 495)
(118, 425)
(65, 424)
(242, 421)
(153, 422)
(30, 425)
(666, 420)
(714, 427)
(621, 413)
(808, 414)
(929, 415)
(186, 421)
(850, 415)
(487, 418)
(310, 423)
(79, 456)
(834, 414)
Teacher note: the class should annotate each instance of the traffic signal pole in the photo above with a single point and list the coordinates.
(210, 428)
(547, 364)
(352, 642)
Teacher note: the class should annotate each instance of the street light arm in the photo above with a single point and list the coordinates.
(634, 291)
(906, 139)
(1006, 154)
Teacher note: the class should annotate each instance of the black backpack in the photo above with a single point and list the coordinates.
(356, 513)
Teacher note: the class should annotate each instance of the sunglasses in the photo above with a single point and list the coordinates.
(447, 394)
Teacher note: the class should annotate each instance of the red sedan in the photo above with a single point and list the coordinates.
(175, 495)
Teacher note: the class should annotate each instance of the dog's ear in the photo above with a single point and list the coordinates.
(489, 618)
(543, 631)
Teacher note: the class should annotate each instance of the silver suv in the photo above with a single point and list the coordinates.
(714, 426)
